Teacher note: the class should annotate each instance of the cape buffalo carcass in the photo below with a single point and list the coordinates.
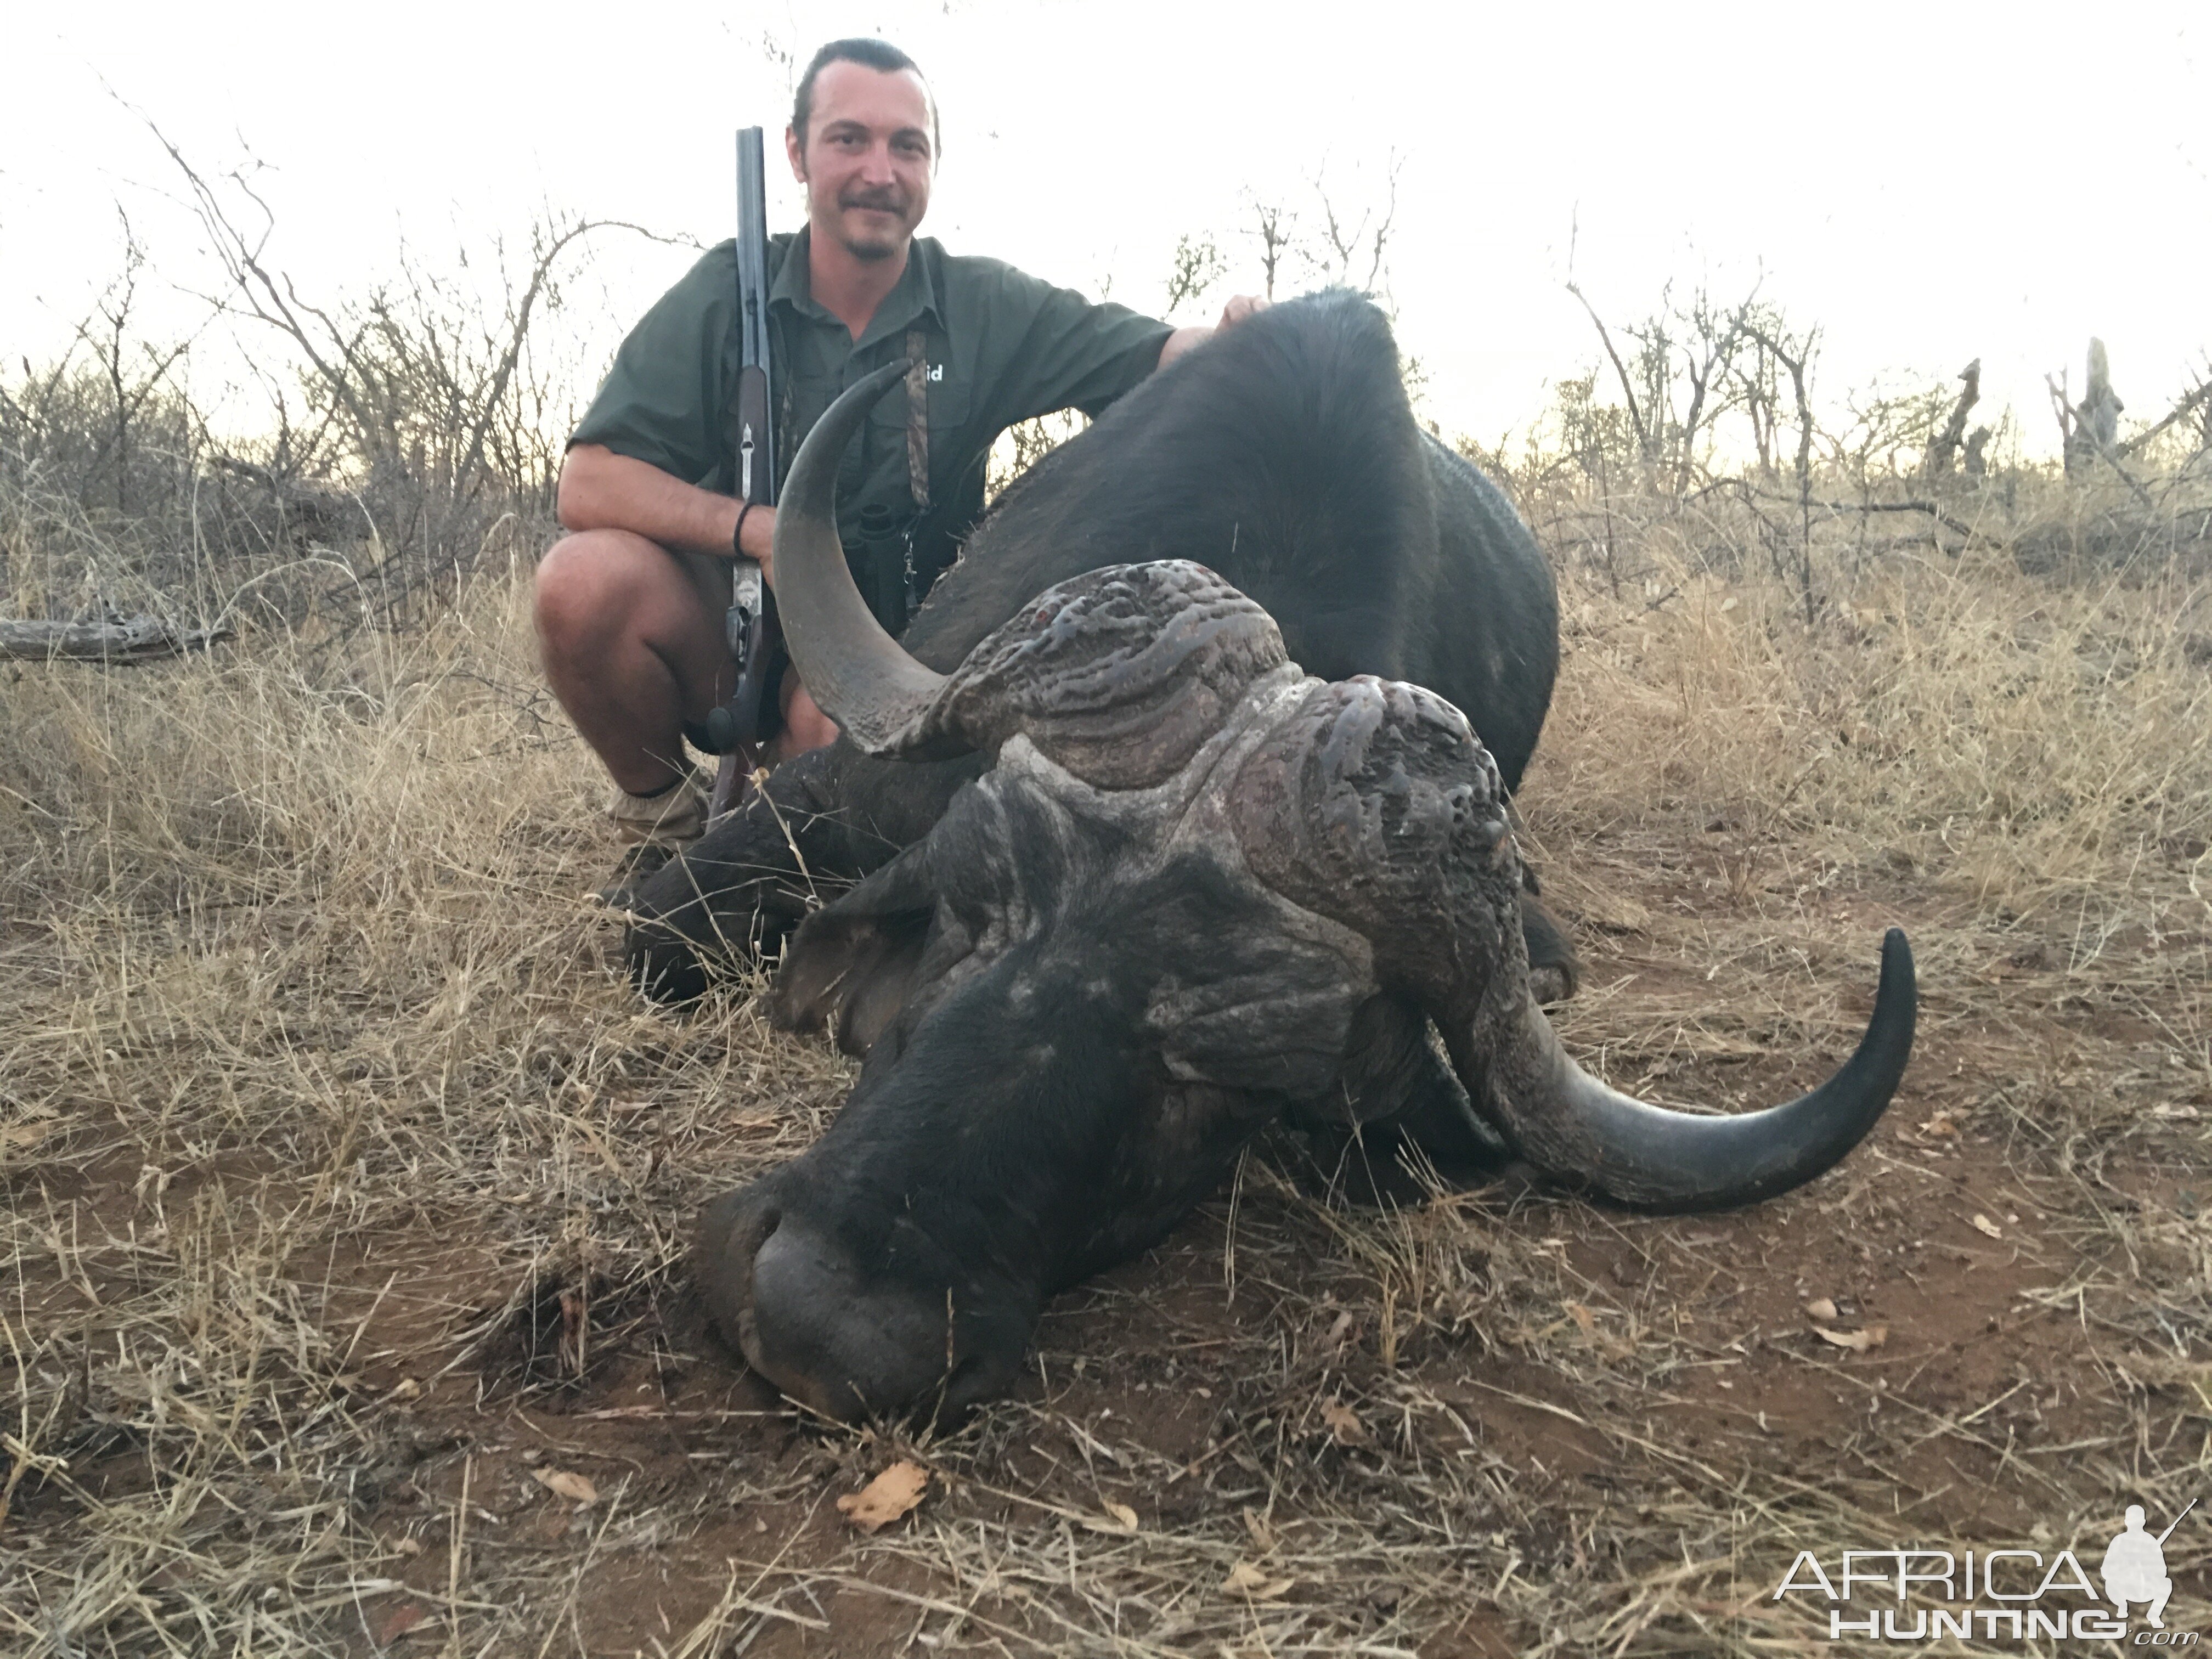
(1283, 456)
(1195, 886)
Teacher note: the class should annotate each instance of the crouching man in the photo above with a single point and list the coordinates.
(630, 603)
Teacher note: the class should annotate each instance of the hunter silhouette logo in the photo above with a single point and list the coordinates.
(2134, 1568)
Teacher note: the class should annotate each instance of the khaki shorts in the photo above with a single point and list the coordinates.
(711, 576)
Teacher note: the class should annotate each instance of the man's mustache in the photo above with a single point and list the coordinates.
(882, 201)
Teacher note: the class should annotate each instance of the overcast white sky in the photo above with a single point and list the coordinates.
(1928, 182)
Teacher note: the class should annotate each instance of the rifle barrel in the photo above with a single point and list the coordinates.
(2178, 1520)
(755, 409)
(739, 726)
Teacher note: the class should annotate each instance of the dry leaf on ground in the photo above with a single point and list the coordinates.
(1344, 1423)
(1124, 1516)
(1858, 1341)
(398, 1620)
(21, 1137)
(886, 1498)
(1245, 1579)
(1983, 1223)
(576, 1488)
(1820, 1308)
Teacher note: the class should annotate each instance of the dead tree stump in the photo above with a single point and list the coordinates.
(1978, 461)
(2095, 430)
(1945, 447)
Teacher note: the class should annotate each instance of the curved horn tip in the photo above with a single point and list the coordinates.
(1594, 1139)
(1897, 959)
(857, 673)
(1887, 1043)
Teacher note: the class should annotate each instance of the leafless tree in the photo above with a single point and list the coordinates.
(1757, 393)
(1354, 253)
(1274, 227)
(1343, 247)
(1198, 264)
(413, 372)
(131, 381)
(1795, 358)
(1712, 335)
(1684, 375)
(429, 404)
(1637, 423)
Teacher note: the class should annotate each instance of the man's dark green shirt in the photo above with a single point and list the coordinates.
(1001, 346)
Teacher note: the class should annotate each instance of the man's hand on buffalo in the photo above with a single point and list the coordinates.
(1240, 307)
(1184, 340)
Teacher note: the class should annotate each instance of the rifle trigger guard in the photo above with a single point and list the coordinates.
(745, 606)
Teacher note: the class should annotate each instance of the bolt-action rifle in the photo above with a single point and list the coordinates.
(738, 728)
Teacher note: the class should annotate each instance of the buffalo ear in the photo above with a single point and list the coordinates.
(855, 960)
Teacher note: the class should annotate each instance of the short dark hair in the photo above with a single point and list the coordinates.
(865, 50)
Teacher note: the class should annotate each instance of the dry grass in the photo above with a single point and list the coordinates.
(348, 1187)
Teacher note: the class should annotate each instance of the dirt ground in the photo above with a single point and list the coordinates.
(348, 1188)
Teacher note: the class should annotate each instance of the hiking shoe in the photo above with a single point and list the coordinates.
(657, 827)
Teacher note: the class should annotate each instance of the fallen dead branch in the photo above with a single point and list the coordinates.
(124, 639)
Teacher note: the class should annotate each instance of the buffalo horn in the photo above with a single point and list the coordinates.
(1582, 1133)
(856, 672)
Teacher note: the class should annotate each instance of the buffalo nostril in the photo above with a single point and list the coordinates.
(734, 1226)
(731, 1231)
